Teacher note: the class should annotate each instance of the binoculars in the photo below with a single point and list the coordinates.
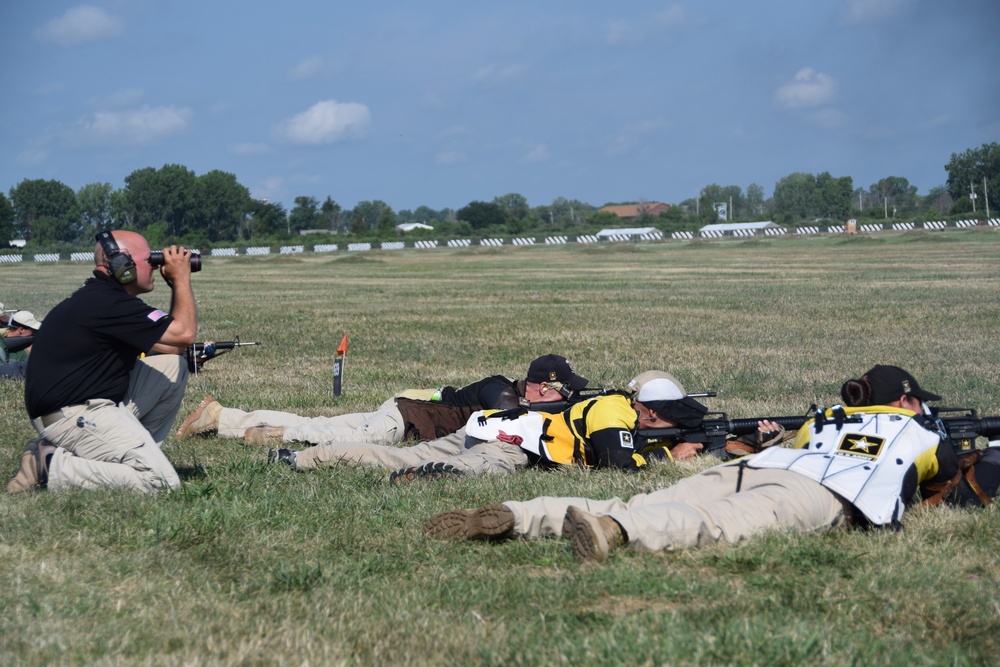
(156, 259)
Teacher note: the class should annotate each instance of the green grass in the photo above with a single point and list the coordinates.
(255, 565)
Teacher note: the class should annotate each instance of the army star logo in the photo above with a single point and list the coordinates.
(856, 444)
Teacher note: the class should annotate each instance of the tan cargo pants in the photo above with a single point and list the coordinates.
(104, 444)
(700, 509)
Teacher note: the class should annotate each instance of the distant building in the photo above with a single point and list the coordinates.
(738, 227)
(627, 231)
(410, 226)
(636, 211)
(18, 243)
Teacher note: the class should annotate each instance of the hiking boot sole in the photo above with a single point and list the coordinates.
(491, 522)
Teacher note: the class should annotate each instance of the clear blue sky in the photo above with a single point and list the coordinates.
(441, 103)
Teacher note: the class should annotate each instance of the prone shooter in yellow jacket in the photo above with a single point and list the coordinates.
(595, 433)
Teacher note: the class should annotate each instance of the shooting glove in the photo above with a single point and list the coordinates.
(754, 442)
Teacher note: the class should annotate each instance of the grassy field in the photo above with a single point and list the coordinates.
(251, 564)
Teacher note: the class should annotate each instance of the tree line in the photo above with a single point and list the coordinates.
(174, 205)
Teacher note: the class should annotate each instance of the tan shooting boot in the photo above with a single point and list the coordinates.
(594, 537)
(203, 419)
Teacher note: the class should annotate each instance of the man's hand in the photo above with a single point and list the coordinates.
(685, 451)
(769, 433)
(176, 265)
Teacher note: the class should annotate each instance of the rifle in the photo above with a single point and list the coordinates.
(713, 433)
(572, 399)
(199, 353)
(964, 429)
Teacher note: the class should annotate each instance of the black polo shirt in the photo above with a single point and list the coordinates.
(88, 346)
(494, 392)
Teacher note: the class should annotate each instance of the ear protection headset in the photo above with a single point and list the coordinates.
(119, 264)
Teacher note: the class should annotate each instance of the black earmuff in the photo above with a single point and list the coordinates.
(119, 264)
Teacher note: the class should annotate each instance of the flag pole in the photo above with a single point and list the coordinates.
(338, 367)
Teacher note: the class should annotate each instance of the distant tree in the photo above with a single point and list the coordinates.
(513, 205)
(120, 212)
(6, 221)
(706, 208)
(426, 215)
(166, 195)
(794, 196)
(672, 214)
(564, 213)
(52, 200)
(730, 195)
(937, 202)
(481, 215)
(892, 194)
(833, 196)
(967, 171)
(96, 209)
(304, 215)
(755, 201)
(330, 214)
(266, 219)
(371, 216)
(605, 219)
(222, 205)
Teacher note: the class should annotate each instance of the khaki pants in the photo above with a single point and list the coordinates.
(492, 457)
(104, 444)
(385, 425)
(698, 510)
(380, 456)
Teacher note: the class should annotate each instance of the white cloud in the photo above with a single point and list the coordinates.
(249, 148)
(538, 153)
(84, 23)
(136, 127)
(307, 69)
(327, 122)
(870, 11)
(809, 89)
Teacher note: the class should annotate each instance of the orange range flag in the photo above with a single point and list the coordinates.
(338, 366)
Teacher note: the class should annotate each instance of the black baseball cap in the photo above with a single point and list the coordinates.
(555, 368)
(890, 382)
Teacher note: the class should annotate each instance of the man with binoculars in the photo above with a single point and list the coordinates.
(102, 406)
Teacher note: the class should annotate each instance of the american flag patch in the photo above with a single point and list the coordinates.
(156, 315)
